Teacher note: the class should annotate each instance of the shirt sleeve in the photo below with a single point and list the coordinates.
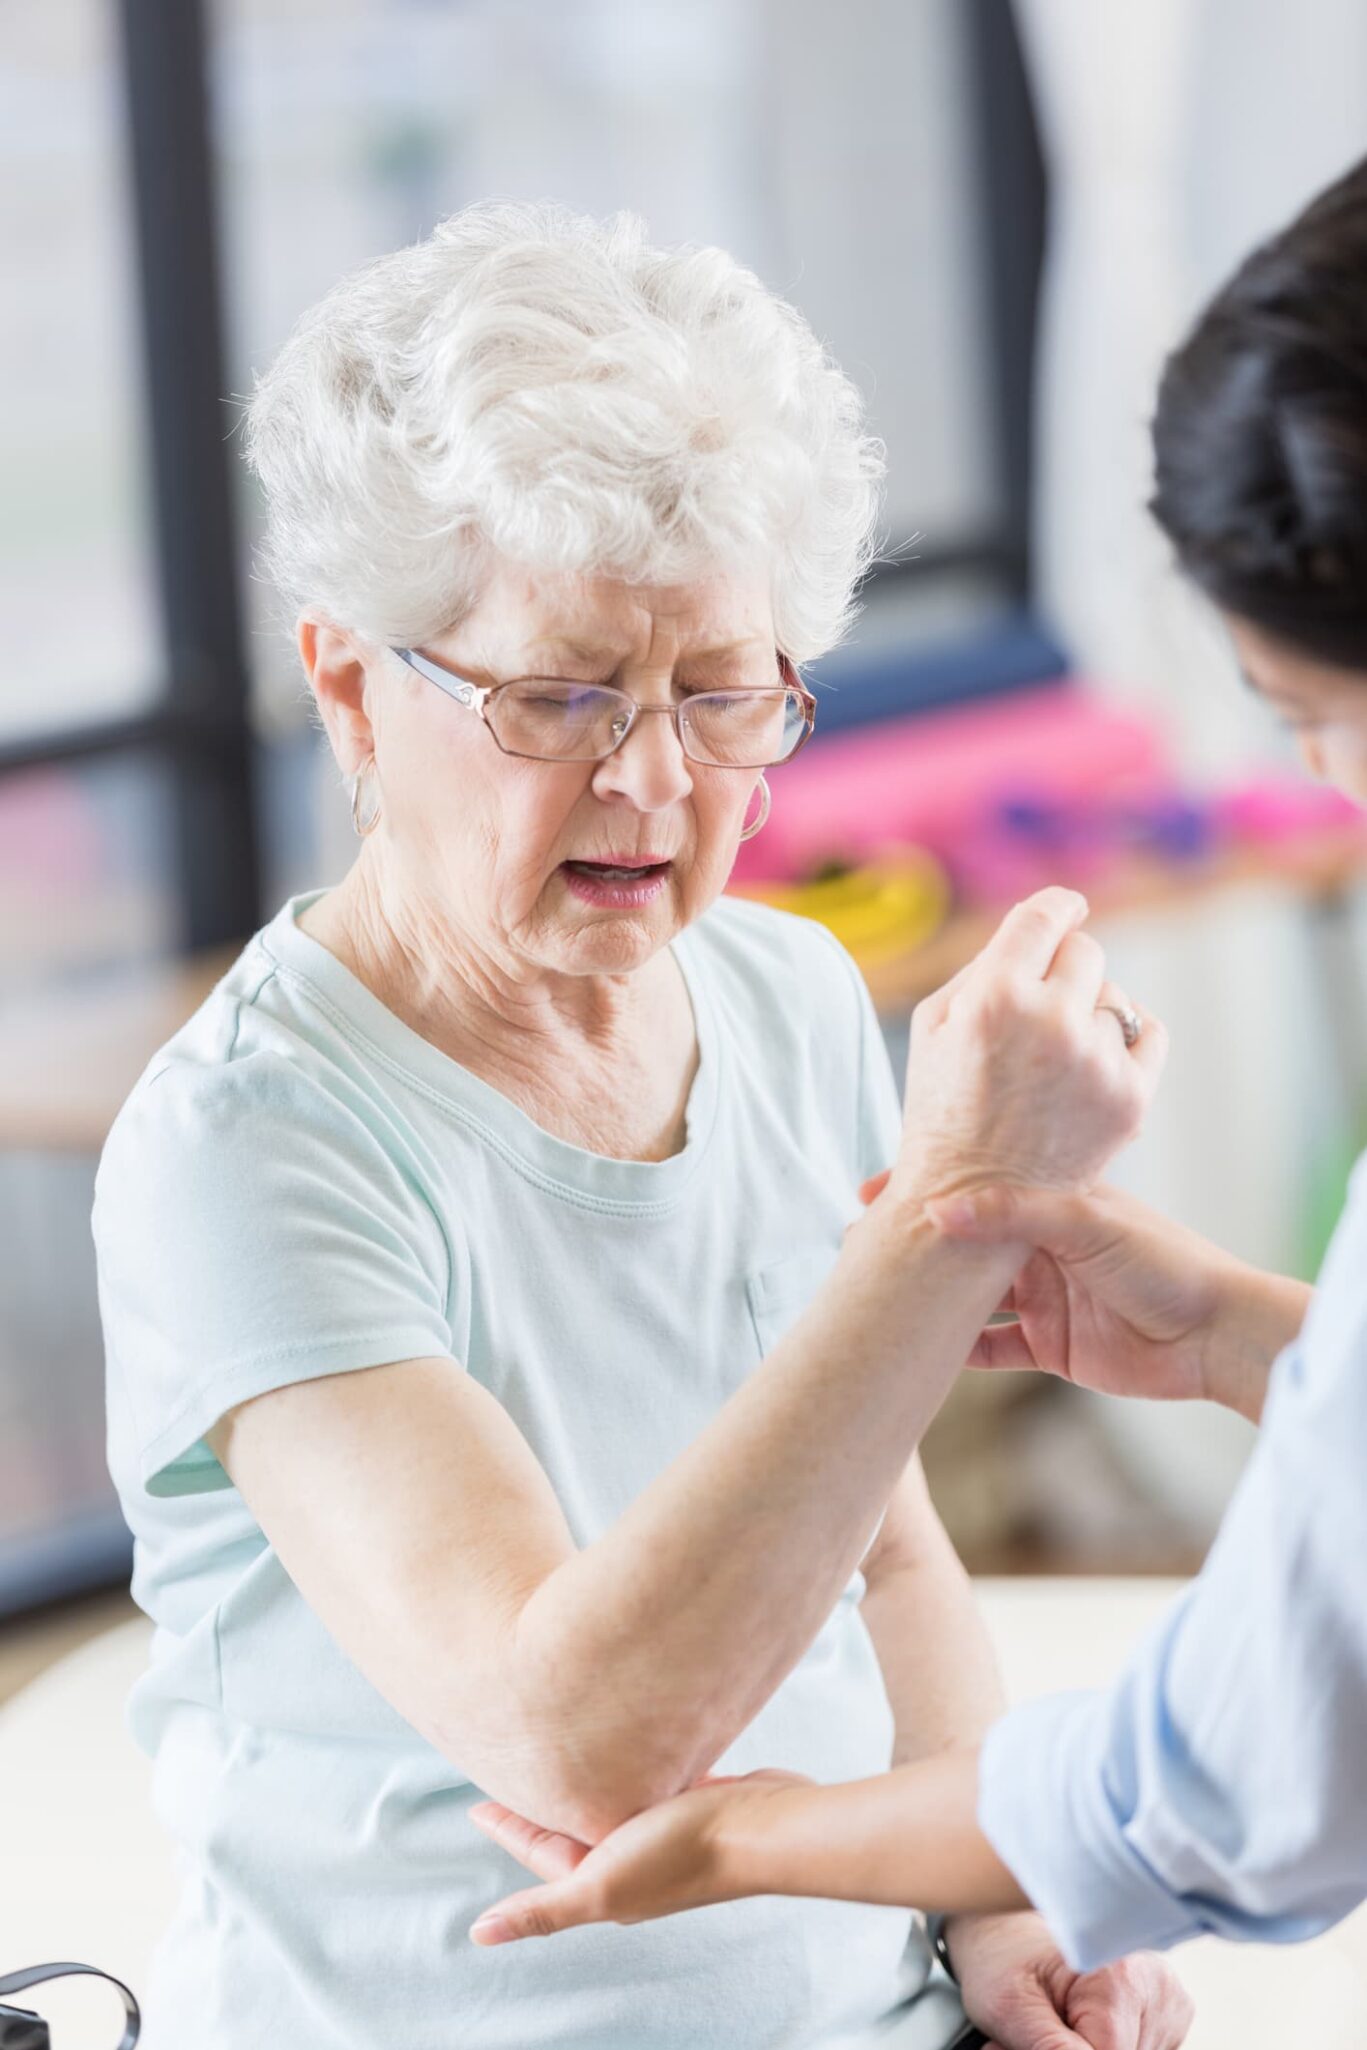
(252, 1229)
(1221, 1786)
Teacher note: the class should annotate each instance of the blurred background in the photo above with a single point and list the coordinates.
(999, 217)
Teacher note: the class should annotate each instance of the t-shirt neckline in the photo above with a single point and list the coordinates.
(633, 1183)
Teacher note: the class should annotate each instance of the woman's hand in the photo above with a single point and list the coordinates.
(668, 1858)
(1015, 1075)
(1120, 1299)
(1021, 1992)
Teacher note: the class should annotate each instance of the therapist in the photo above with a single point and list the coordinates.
(1221, 1785)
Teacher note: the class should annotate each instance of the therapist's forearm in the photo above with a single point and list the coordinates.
(1265, 1312)
(907, 1839)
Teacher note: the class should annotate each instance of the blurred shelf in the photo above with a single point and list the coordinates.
(61, 930)
(69, 1055)
(1321, 868)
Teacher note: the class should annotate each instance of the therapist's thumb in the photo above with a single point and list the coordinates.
(1048, 1219)
(540, 1911)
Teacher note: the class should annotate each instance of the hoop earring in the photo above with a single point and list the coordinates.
(371, 819)
(765, 802)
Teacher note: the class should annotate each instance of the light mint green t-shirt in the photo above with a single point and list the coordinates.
(300, 1185)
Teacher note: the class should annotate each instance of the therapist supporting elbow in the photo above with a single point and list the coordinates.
(1221, 1785)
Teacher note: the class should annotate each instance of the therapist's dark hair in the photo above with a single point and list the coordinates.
(1260, 435)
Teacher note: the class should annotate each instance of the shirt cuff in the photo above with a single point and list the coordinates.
(1044, 1808)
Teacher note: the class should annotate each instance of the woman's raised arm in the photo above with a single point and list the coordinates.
(581, 1685)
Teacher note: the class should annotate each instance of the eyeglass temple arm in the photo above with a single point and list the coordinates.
(458, 687)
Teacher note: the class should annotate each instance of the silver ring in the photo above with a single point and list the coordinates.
(1128, 1019)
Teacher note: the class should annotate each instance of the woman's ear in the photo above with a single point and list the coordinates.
(336, 672)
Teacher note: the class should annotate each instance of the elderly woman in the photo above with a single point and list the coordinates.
(501, 1395)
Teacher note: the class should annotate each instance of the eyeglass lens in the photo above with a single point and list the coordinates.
(583, 722)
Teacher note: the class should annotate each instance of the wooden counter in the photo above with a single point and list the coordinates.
(69, 1056)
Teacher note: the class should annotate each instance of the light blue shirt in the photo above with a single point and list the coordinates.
(1221, 1786)
(300, 1185)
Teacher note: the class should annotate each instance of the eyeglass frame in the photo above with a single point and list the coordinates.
(475, 697)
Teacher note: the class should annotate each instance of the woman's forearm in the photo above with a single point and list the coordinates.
(907, 1839)
(937, 1659)
(659, 1642)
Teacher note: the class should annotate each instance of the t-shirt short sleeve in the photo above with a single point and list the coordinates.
(252, 1229)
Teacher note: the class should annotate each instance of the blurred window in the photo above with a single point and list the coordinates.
(86, 871)
(77, 605)
(832, 149)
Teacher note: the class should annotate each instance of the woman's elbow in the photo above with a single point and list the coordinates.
(583, 1799)
(562, 1769)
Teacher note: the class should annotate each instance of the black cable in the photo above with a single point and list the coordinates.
(14, 2031)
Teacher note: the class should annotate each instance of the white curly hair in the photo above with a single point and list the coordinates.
(550, 387)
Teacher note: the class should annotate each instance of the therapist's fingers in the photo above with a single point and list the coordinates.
(1069, 1226)
(1057, 2037)
(546, 1852)
(1002, 1349)
(542, 1911)
(1061, 2037)
(872, 1189)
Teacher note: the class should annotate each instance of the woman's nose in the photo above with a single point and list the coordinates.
(1312, 754)
(650, 766)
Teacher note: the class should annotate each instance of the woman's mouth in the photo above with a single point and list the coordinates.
(615, 884)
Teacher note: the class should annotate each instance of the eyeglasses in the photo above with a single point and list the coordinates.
(551, 721)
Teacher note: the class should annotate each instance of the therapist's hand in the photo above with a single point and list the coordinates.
(1021, 1992)
(666, 1859)
(1118, 1298)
